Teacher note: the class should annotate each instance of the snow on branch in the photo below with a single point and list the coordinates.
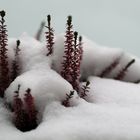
(122, 73)
(4, 70)
(49, 36)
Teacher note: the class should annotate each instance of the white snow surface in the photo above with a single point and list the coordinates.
(110, 111)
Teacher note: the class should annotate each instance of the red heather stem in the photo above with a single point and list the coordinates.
(15, 64)
(122, 73)
(68, 53)
(109, 68)
(49, 36)
(66, 102)
(4, 70)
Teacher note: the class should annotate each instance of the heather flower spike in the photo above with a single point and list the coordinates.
(68, 52)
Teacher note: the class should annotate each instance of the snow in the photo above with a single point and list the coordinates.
(110, 110)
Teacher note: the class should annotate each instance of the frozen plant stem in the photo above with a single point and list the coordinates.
(49, 36)
(15, 64)
(4, 69)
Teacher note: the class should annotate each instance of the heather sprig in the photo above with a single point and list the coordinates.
(15, 63)
(66, 102)
(85, 89)
(49, 36)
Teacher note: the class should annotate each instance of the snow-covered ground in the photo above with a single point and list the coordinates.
(112, 108)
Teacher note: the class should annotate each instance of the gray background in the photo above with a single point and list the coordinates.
(115, 23)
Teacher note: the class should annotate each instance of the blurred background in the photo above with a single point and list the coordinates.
(114, 23)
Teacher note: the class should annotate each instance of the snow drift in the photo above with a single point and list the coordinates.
(113, 108)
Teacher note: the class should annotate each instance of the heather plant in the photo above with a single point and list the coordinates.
(72, 56)
(25, 114)
(15, 63)
(49, 36)
(66, 102)
(4, 69)
(123, 72)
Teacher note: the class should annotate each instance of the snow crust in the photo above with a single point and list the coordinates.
(111, 109)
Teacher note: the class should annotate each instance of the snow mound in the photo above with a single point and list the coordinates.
(113, 111)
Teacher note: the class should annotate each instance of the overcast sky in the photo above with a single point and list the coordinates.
(115, 23)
